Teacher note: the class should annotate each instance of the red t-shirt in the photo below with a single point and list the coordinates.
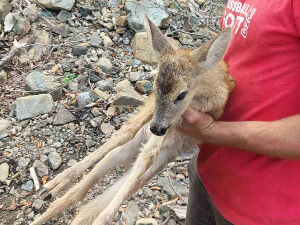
(264, 59)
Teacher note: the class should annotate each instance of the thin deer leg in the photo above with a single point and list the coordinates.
(121, 155)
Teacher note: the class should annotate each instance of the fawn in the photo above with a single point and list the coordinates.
(185, 77)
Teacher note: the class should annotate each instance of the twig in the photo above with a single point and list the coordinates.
(167, 220)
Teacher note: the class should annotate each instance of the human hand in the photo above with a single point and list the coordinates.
(196, 124)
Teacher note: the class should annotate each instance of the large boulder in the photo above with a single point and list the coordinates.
(57, 5)
(37, 82)
(34, 105)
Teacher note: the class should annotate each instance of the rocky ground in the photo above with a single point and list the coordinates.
(71, 73)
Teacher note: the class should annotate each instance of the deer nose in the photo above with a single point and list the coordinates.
(157, 130)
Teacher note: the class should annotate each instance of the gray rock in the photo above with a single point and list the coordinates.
(106, 128)
(62, 29)
(123, 85)
(58, 5)
(105, 64)
(105, 85)
(114, 3)
(146, 221)
(90, 143)
(21, 26)
(71, 162)
(122, 21)
(79, 50)
(186, 38)
(85, 98)
(32, 106)
(95, 40)
(23, 162)
(129, 97)
(135, 11)
(28, 186)
(40, 168)
(54, 160)
(5, 8)
(131, 213)
(3, 76)
(38, 204)
(144, 86)
(107, 42)
(4, 124)
(180, 188)
(40, 83)
(41, 47)
(85, 11)
(4, 172)
(135, 76)
(73, 86)
(63, 16)
(178, 212)
(63, 116)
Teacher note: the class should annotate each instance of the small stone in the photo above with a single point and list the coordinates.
(107, 42)
(165, 184)
(131, 213)
(62, 29)
(40, 83)
(85, 11)
(122, 30)
(109, 26)
(146, 221)
(114, 3)
(38, 204)
(95, 111)
(4, 172)
(72, 162)
(3, 76)
(28, 186)
(73, 86)
(144, 86)
(129, 97)
(31, 106)
(30, 215)
(104, 85)
(104, 64)
(123, 85)
(85, 98)
(63, 116)
(54, 160)
(23, 163)
(55, 69)
(122, 21)
(185, 38)
(106, 128)
(178, 212)
(4, 124)
(63, 16)
(79, 50)
(90, 143)
(57, 5)
(135, 76)
(101, 94)
(40, 168)
(200, 2)
(95, 40)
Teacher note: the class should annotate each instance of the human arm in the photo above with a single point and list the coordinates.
(280, 138)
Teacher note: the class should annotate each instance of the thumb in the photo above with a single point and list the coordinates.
(192, 116)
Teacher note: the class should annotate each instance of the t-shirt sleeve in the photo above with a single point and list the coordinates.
(296, 13)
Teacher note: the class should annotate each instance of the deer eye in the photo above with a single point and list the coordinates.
(180, 97)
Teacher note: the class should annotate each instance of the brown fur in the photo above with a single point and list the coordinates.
(202, 75)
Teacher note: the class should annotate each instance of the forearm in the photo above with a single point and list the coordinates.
(277, 138)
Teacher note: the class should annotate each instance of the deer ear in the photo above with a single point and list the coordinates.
(159, 42)
(212, 52)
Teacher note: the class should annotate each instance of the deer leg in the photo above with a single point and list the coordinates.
(89, 212)
(121, 155)
(125, 134)
(174, 141)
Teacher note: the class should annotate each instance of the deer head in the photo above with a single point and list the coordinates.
(179, 71)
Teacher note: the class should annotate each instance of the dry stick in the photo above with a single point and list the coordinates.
(167, 220)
